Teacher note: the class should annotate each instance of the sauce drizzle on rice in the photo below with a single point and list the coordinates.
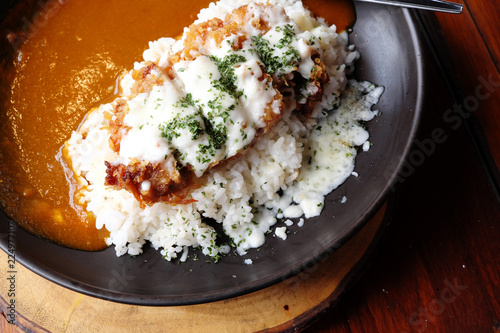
(217, 125)
(255, 53)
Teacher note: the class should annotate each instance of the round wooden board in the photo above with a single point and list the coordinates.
(42, 306)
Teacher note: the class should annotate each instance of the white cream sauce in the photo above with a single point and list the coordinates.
(328, 161)
(332, 149)
(199, 116)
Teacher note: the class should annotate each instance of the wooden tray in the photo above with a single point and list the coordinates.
(42, 306)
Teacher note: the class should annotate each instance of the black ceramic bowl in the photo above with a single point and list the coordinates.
(391, 57)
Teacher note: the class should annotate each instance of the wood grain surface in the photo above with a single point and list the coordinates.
(473, 42)
(42, 306)
(437, 269)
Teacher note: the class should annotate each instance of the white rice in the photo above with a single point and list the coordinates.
(242, 196)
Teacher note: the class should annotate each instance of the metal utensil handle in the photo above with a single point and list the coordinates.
(435, 5)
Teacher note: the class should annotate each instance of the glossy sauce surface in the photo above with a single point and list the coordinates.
(66, 67)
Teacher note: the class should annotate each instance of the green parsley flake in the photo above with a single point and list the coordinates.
(275, 64)
(227, 80)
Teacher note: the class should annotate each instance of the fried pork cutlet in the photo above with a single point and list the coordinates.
(208, 99)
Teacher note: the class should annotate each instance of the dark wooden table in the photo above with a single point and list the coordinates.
(437, 268)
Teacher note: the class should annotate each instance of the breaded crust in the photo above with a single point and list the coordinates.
(171, 182)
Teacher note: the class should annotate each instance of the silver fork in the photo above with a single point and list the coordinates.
(435, 5)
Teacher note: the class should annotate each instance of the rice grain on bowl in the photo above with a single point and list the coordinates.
(248, 118)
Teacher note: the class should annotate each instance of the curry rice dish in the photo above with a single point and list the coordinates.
(248, 119)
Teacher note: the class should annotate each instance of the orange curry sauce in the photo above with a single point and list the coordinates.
(67, 65)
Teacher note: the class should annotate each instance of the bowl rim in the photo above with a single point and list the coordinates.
(348, 233)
